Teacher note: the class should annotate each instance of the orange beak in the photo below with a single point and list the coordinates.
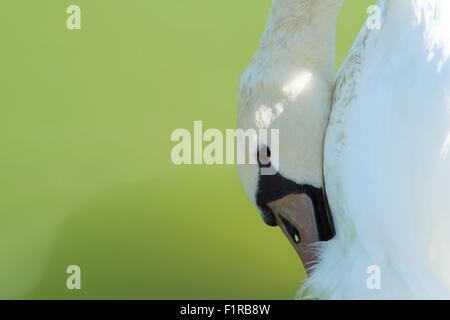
(295, 215)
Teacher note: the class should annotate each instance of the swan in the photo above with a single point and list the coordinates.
(362, 179)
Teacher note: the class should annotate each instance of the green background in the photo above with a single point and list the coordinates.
(86, 176)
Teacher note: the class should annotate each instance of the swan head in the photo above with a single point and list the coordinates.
(284, 100)
(282, 123)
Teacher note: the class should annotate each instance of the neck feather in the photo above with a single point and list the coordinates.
(302, 29)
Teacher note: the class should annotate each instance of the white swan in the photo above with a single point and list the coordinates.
(386, 165)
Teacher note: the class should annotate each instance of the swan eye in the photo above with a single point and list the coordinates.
(263, 156)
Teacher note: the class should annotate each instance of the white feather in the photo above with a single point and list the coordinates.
(386, 171)
(386, 154)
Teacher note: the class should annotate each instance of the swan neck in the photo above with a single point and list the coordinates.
(301, 31)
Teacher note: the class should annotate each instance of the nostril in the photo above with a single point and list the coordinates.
(293, 232)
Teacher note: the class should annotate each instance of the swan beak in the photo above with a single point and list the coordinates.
(295, 215)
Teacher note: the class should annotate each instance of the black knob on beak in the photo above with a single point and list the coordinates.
(275, 187)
